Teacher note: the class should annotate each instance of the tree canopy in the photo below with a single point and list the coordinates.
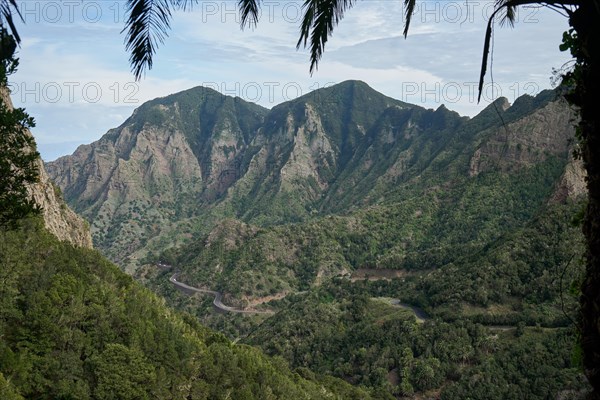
(18, 155)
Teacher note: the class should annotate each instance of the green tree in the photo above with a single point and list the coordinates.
(18, 155)
(7, 392)
(423, 373)
(122, 373)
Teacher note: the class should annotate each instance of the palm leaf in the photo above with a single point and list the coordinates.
(509, 12)
(410, 9)
(147, 25)
(486, 52)
(7, 9)
(318, 21)
(509, 6)
(249, 10)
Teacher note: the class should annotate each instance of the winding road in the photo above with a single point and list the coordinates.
(422, 316)
(419, 313)
(217, 302)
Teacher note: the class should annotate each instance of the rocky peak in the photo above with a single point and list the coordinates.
(546, 131)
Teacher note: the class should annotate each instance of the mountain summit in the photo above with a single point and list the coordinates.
(182, 162)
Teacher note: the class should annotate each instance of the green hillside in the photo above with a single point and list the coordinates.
(421, 231)
(368, 341)
(342, 215)
(73, 326)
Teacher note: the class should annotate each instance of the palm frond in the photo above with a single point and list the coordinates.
(249, 10)
(486, 52)
(410, 9)
(147, 25)
(509, 15)
(509, 8)
(320, 17)
(184, 5)
(8, 8)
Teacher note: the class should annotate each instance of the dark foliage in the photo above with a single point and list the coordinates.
(18, 155)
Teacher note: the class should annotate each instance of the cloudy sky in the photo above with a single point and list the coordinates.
(74, 75)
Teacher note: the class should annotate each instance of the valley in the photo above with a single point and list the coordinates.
(409, 252)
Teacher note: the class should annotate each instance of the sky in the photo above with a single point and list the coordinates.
(75, 78)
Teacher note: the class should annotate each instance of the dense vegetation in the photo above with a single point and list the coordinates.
(472, 215)
(490, 259)
(370, 342)
(443, 229)
(501, 320)
(18, 154)
(73, 326)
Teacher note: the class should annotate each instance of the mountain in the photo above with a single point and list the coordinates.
(171, 158)
(74, 326)
(413, 252)
(432, 206)
(182, 163)
(305, 147)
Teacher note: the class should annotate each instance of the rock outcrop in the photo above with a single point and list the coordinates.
(546, 131)
(59, 219)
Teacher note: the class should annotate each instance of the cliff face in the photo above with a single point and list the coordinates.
(546, 131)
(181, 163)
(59, 219)
(572, 183)
(131, 196)
(173, 158)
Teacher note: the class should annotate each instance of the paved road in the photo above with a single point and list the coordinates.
(217, 302)
(421, 315)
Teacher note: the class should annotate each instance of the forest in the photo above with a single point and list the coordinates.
(73, 326)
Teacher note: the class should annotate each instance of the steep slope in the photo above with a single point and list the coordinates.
(181, 164)
(170, 159)
(304, 147)
(74, 326)
(59, 219)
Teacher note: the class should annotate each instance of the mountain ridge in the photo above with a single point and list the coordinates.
(182, 162)
(471, 216)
